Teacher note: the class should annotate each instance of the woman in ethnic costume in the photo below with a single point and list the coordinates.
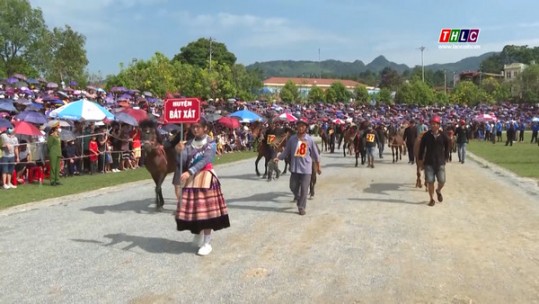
(201, 205)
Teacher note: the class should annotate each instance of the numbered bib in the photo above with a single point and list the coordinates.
(271, 138)
(301, 149)
(370, 137)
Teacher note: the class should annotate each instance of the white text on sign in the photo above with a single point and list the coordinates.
(182, 103)
(179, 114)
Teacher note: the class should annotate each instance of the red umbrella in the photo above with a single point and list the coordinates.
(288, 117)
(229, 122)
(25, 128)
(138, 114)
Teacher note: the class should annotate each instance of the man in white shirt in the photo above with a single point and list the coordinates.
(10, 149)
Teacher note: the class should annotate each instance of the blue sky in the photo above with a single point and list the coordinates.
(118, 31)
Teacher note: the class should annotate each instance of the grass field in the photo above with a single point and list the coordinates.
(521, 158)
(71, 185)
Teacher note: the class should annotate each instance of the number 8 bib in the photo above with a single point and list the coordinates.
(301, 149)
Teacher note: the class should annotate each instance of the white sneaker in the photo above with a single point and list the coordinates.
(12, 186)
(6, 186)
(198, 240)
(205, 249)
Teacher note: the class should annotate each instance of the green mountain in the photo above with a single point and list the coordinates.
(340, 69)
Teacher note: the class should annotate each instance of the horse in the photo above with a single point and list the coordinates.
(264, 150)
(396, 142)
(418, 163)
(158, 159)
(360, 147)
(450, 132)
(331, 138)
(314, 172)
(323, 136)
(348, 137)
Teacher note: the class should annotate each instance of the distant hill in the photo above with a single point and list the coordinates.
(290, 68)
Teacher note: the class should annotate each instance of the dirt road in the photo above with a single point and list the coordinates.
(368, 237)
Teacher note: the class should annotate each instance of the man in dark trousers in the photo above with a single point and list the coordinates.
(511, 132)
(410, 135)
(434, 151)
(381, 136)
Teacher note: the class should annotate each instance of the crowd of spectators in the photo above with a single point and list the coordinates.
(114, 146)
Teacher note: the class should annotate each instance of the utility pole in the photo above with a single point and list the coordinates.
(422, 48)
(445, 82)
(319, 63)
(210, 52)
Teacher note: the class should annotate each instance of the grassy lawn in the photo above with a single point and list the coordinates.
(71, 185)
(522, 158)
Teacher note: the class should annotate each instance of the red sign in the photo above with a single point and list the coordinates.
(182, 110)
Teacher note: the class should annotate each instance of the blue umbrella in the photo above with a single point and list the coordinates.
(246, 115)
(4, 123)
(7, 105)
(32, 117)
(126, 118)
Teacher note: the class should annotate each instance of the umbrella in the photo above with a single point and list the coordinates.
(339, 121)
(246, 115)
(23, 101)
(26, 128)
(32, 117)
(288, 117)
(212, 117)
(32, 81)
(54, 122)
(171, 127)
(19, 76)
(138, 114)
(4, 123)
(126, 118)
(229, 122)
(485, 118)
(52, 85)
(118, 89)
(11, 80)
(535, 119)
(67, 135)
(82, 110)
(7, 105)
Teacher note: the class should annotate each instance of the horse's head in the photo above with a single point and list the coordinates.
(149, 137)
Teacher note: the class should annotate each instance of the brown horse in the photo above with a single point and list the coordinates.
(419, 163)
(158, 160)
(348, 137)
(314, 171)
(396, 142)
(450, 132)
(323, 136)
(277, 145)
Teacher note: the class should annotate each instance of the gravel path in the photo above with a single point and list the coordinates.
(368, 237)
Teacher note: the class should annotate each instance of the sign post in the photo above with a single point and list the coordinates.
(182, 111)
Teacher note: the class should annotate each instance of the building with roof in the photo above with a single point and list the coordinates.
(511, 71)
(273, 85)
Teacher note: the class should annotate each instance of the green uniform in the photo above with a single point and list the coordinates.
(55, 155)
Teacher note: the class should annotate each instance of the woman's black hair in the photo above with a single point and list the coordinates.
(203, 122)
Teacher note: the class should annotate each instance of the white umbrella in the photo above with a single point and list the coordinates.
(535, 119)
(485, 118)
(82, 110)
